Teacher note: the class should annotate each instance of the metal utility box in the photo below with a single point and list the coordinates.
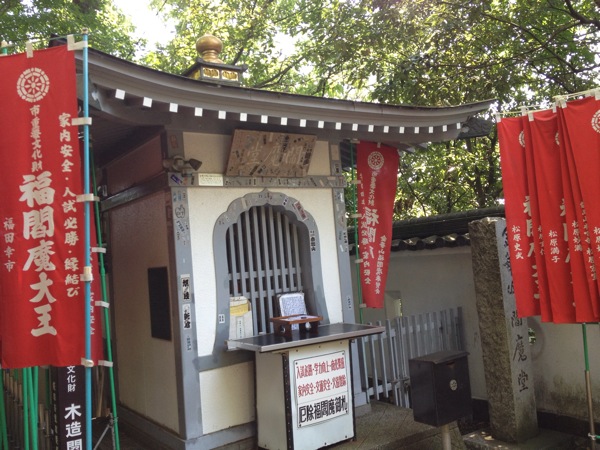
(440, 388)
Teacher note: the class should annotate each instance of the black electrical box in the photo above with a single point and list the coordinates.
(440, 388)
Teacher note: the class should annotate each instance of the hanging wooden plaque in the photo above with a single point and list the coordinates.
(266, 154)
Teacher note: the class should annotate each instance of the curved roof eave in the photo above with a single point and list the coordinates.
(114, 79)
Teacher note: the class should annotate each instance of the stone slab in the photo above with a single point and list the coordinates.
(545, 440)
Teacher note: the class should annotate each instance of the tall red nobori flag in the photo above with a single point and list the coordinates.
(565, 288)
(580, 125)
(377, 169)
(42, 245)
(518, 216)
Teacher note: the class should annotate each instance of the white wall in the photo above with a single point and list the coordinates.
(430, 280)
(559, 368)
(206, 205)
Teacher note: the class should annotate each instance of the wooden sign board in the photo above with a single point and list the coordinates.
(265, 154)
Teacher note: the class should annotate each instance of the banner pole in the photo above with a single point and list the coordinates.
(356, 243)
(34, 388)
(87, 245)
(588, 388)
(25, 400)
(107, 330)
(3, 424)
(32, 408)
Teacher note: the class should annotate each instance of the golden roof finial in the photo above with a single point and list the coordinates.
(209, 47)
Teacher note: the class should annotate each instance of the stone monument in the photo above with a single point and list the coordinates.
(504, 336)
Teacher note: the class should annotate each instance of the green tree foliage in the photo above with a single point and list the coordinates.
(519, 51)
(418, 52)
(109, 29)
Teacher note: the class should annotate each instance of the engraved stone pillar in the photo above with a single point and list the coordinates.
(504, 337)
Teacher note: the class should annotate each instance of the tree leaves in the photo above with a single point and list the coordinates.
(418, 52)
(109, 29)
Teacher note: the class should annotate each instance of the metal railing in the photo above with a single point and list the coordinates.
(383, 358)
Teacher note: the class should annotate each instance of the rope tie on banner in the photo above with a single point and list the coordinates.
(87, 363)
(72, 45)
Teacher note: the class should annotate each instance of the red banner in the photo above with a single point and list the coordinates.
(518, 217)
(42, 295)
(532, 207)
(583, 269)
(559, 189)
(377, 168)
(543, 152)
(580, 123)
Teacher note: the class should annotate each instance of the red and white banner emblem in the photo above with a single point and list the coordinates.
(42, 295)
(377, 169)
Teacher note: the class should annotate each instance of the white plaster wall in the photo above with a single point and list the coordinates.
(227, 397)
(431, 280)
(228, 393)
(559, 368)
(146, 366)
(206, 205)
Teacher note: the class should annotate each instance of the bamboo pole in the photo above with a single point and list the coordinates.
(3, 421)
(107, 329)
(588, 388)
(25, 397)
(87, 245)
(33, 415)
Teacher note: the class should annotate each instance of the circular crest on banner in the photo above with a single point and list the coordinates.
(375, 160)
(522, 139)
(596, 121)
(33, 85)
